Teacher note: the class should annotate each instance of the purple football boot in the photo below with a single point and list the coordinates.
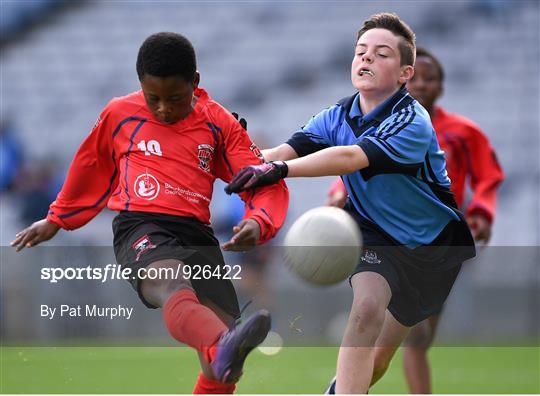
(235, 344)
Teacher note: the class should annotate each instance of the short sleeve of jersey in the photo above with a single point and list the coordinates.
(319, 133)
(400, 143)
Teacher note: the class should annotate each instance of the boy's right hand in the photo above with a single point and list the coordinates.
(337, 198)
(337, 195)
(38, 232)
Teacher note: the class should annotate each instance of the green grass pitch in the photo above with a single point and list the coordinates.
(293, 370)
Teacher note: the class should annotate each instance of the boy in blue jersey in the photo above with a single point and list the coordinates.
(381, 140)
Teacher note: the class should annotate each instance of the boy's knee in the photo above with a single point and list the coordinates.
(420, 337)
(171, 286)
(157, 290)
(367, 314)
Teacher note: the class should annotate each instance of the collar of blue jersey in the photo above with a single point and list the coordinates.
(382, 111)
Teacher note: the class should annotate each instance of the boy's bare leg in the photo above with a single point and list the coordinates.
(415, 359)
(356, 355)
(157, 291)
(391, 337)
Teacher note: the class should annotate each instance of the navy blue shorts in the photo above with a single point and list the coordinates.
(420, 279)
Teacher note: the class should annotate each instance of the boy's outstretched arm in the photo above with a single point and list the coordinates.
(91, 179)
(38, 232)
(331, 161)
(283, 152)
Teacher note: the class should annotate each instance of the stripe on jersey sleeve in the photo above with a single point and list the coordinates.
(303, 144)
(380, 162)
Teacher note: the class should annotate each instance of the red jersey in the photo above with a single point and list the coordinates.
(469, 156)
(131, 161)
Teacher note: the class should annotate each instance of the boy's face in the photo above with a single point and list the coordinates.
(376, 69)
(426, 85)
(169, 98)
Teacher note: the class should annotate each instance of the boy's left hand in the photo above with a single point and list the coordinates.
(480, 228)
(38, 232)
(246, 235)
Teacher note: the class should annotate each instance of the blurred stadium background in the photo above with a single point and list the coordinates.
(277, 64)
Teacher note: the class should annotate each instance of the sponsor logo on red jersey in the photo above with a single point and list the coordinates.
(146, 186)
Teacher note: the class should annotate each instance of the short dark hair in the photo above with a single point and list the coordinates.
(392, 22)
(167, 54)
(420, 51)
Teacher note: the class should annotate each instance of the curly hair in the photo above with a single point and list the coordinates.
(422, 52)
(167, 54)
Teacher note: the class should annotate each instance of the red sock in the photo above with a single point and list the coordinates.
(192, 323)
(206, 386)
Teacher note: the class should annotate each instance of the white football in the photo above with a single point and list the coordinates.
(323, 246)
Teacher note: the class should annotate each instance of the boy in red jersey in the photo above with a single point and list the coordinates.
(469, 156)
(153, 156)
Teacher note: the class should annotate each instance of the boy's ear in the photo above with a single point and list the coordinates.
(407, 72)
(196, 80)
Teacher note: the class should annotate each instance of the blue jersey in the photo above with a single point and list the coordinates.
(405, 190)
